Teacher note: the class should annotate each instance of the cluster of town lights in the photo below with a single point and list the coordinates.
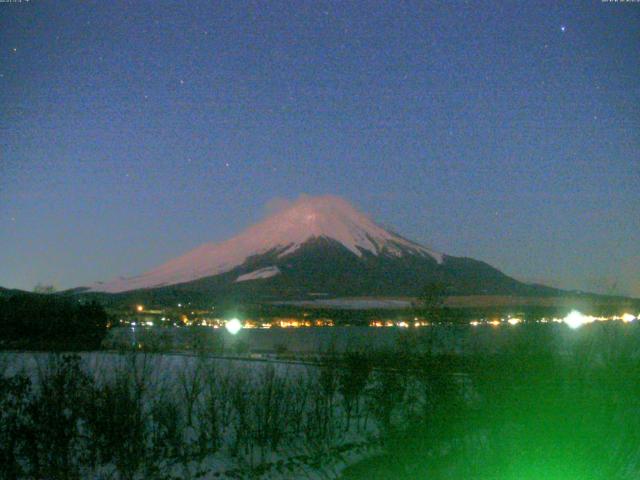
(573, 320)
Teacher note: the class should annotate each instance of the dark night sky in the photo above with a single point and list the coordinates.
(505, 131)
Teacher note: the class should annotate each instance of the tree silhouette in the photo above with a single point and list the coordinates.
(430, 302)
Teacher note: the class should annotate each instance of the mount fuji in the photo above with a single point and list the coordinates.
(317, 246)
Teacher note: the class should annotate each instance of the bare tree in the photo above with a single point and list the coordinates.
(352, 382)
(430, 302)
(191, 386)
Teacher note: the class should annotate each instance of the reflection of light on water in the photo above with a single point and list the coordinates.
(233, 326)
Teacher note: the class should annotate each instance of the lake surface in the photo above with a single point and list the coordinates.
(457, 339)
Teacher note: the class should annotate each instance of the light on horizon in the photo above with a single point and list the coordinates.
(575, 319)
(233, 326)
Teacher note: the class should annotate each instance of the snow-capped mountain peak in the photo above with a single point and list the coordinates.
(285, 232)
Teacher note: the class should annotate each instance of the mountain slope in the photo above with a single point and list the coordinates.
(317, 246)
(281, 234)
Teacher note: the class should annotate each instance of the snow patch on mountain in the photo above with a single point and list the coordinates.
(281, 234)
(267, 272)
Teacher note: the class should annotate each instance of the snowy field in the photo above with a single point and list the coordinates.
(179, 416)
(137, 415)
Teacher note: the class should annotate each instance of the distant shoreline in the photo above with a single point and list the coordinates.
(467, 301)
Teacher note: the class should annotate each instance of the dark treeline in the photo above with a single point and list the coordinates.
(250, 307)
(444, 314)
(362, 317)
(50, 322)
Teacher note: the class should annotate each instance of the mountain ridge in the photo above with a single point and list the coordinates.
(284, 232)
(317, 244)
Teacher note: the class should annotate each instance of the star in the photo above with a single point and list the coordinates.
(181, 82)
(15, 49)
(563, 28)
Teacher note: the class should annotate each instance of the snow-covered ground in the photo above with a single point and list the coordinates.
(264, 414)
(200, 417)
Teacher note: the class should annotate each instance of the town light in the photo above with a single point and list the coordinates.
(139, 308)
(627, 317)
(575, 319)
(233, 326)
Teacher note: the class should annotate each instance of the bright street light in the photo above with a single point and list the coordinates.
(575, 319)
(233, 326)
